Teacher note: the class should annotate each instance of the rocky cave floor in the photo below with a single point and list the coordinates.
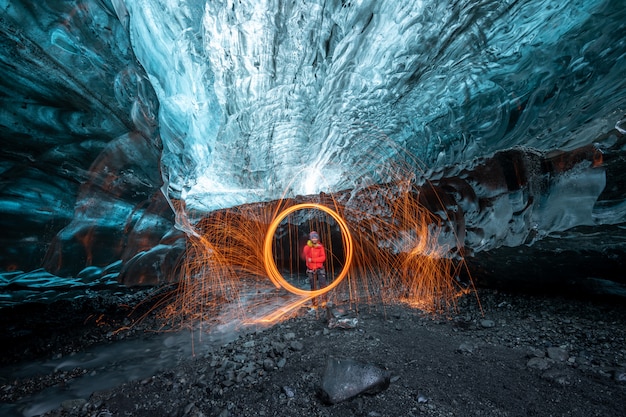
(509, 355)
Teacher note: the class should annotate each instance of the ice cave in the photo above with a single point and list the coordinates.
(115, 113)
(125, 123)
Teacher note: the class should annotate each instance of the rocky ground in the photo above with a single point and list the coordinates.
(509, 355)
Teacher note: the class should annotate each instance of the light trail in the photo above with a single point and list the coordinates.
(393, 250)
(268, 254)
(402, 240)
(277, 278)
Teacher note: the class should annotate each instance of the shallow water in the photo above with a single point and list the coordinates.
(111, 365)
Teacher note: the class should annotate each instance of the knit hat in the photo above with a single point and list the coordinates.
(314, 235)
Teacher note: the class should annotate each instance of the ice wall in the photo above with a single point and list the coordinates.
(113, 111)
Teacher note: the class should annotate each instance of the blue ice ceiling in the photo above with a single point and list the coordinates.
(250, 92)
(113, 111)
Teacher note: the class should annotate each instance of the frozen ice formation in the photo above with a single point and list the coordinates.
(114, 111)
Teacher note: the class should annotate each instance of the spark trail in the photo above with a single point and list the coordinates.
(243, 264)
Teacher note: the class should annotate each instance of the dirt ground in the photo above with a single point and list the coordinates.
(510, 355)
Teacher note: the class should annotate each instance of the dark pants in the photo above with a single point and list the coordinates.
(317, 280)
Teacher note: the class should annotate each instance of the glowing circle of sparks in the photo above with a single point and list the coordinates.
(268, 255)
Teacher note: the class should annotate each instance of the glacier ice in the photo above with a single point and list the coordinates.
(115, 110)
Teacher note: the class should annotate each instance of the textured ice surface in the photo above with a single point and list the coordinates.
(113, 110)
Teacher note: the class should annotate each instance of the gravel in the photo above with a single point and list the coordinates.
(497, 354)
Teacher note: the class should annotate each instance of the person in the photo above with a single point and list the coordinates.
(315, 256)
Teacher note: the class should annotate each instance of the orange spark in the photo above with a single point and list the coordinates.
(268, 255)
(390, 253)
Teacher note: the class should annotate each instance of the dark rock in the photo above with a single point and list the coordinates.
(557, 354)
(346, 378)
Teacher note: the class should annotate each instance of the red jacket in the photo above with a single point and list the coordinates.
(315, 256)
